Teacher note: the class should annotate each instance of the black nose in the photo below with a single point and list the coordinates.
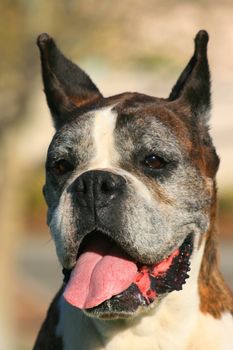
(98, 187)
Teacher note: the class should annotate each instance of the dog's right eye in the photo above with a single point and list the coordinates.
(154, 162)
(61, 167)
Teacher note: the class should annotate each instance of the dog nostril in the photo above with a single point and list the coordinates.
(112, 184)
(108, 186)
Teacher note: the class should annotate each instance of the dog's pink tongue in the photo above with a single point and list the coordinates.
(102, 270)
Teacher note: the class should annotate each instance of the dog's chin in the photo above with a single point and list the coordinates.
(127, 304)
(152, 283)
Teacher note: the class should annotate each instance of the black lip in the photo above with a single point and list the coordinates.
(177, 274)
(122, 305)
(66, 274)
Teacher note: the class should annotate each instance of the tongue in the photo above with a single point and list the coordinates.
(102, 270)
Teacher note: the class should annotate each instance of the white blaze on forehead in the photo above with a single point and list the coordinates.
(104, 125)
(106, 155)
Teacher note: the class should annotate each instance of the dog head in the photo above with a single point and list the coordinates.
(129, 183)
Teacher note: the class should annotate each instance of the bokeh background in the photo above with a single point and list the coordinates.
(129, 45)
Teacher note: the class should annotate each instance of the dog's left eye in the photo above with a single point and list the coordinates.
(62, 167)
(154, 162)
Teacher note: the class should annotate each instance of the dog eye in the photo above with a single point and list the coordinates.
(62, 167)
(154, 162)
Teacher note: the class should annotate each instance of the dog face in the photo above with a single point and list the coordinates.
(132, 173)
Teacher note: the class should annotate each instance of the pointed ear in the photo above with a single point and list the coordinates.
(66, 86)
(193, 86)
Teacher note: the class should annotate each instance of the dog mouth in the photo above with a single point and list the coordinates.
(106, 278)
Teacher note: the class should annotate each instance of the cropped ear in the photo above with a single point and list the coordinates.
(193, 86)
(66, 86)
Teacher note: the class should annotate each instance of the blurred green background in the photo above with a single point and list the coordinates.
(130, 45)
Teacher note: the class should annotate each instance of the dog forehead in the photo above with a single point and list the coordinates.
(142, 117)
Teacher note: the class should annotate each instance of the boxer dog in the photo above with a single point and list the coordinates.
(131, 194)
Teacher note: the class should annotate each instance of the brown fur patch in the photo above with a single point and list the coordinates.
(193, 133)
(78, 101)
(47, 338)
(215, 296)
